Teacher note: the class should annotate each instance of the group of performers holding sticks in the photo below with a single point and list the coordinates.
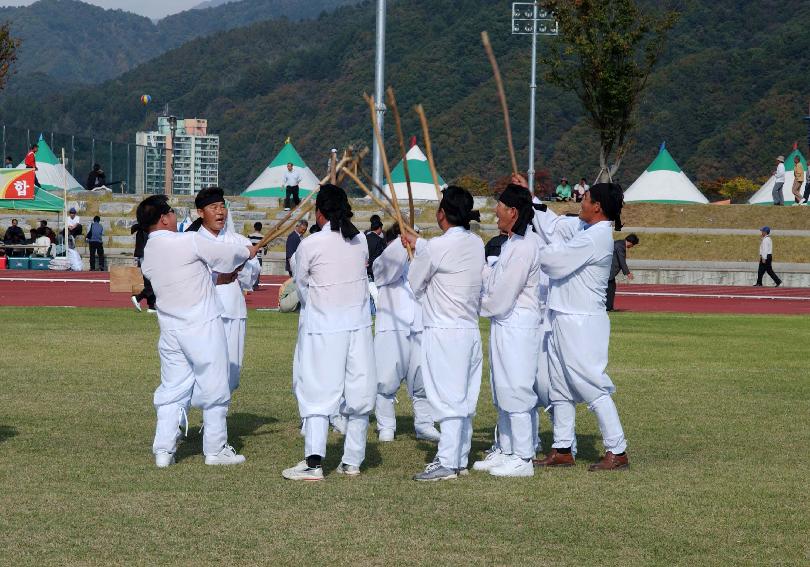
(544, 295)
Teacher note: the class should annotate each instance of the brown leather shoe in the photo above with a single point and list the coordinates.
(611, 462)
(555, 459)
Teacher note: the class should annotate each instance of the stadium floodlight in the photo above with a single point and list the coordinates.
(529, 19)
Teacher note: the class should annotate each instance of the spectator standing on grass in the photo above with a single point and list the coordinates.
(95, 240)
(620, 248)
(291, 182)
(563, 192)
(778, 182)
(146, 293)
(293, 242)
(766, 258)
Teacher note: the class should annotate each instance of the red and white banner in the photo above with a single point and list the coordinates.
(16, 183)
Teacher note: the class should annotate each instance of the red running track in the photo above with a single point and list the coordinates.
(91, 289)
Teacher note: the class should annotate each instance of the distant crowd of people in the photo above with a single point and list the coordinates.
(564, 191)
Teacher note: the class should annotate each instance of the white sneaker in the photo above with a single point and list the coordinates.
(302, 472)
(386, 435)
(136, 303)
(431, 434)
(163, 459)
(493, 458)
(227, 456)
(348, 470)
(513, 466)
(151, 310)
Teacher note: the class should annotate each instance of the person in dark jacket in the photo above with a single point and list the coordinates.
(96, 178)
(293, 240)
(15, 235)
(375, 241)
(620, 248)
(95, 241)
(146, 293)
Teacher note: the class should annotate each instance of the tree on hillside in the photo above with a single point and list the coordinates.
(604, 54)
(8, 52)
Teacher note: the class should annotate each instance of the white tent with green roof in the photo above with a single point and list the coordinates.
(421, 179)
(765, 194)
(270, 182)
(664, 182)
(51, 174)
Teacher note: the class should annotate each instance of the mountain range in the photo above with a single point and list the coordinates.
(726, 95)
(76, 42)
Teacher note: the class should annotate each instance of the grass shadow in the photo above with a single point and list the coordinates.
(240, 425)
(334, 452)
(7, 432)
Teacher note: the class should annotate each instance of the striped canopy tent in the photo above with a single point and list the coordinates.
(765, 194)
(664, 182)
(51, 174)
(421, 179)
(270, 181)
(42, 201)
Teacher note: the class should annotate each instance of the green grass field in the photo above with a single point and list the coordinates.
(716, 410)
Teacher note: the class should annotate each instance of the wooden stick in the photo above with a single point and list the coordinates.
(333, 168)
(502, 95)
(263, 242)
(392, 102)
(429, 149)
(386, 168)
(384, 206)
(278, 231)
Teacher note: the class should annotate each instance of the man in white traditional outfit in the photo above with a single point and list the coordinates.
(333, 366)
(445, 276)
(397, 342)
(511, 300)
(192, 347)
(212, 221)
(578, 261)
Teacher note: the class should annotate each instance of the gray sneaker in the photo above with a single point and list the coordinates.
(348, 470)
(435, 471)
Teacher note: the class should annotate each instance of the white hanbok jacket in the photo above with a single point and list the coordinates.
(332, 282)
(397, 307)
(179, 266)
(445, 276)
(231, 295)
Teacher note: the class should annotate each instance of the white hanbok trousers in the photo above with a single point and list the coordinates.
(235, 333)
(578, 357)
(398, 356)
(193, 372)
(451, 369)
(334, 373)
(514, 358)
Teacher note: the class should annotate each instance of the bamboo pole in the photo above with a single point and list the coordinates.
(502, 95)
(392, 102)
(386, 167)
(387, 208)
(64, 205)
(278, 231)
(429, 149)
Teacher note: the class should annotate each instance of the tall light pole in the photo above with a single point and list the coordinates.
(379, 88)
(529, 19)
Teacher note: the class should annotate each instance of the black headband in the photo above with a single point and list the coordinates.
(209, 196)
(611, 198)
(517, 197)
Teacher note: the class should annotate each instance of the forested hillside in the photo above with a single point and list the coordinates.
(75, 42)
(727, 96)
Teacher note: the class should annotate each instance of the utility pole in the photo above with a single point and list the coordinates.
(528, 19)
(379, 88)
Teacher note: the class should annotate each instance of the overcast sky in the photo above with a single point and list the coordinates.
(149, 8)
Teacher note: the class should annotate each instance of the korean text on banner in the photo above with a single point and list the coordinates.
(17, 183)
